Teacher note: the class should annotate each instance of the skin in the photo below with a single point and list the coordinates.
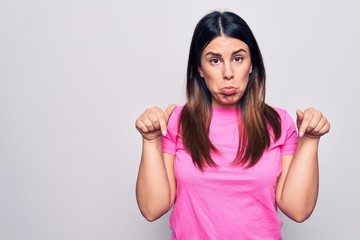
(225, 67)
(155, 186)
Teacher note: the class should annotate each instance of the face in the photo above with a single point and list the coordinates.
(225, 68)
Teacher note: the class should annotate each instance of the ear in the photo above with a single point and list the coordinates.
(200, 72)
(250, 69)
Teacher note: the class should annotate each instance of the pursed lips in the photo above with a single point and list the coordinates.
(228, 90)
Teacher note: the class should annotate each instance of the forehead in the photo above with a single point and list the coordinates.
(224, 44)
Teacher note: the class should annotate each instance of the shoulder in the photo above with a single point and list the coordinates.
(283, 114)
(175, 117)
(280, 111)
(288, 137)
(177, 111)
(173, 124)
(287, 122)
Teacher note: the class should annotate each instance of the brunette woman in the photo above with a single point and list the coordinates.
(225, 161)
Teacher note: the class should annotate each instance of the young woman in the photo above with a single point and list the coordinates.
(226, 160)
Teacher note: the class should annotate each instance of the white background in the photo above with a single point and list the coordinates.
(75, 74)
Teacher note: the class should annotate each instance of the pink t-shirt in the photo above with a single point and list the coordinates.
(227, 202)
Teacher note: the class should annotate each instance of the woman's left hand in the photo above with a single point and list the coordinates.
(312, 123)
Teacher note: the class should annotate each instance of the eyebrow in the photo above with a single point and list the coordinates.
(233, 53)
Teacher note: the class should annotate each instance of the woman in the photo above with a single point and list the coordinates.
(226, 160)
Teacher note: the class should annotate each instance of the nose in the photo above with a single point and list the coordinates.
(228, 71)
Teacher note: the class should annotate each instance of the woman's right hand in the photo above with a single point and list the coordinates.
(152, 123)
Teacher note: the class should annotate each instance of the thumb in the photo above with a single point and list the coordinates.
(167, 114)
(169, 111)
(299, 119)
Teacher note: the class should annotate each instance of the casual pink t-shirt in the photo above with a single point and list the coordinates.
(227, 202)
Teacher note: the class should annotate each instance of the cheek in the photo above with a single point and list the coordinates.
(244, 77)
(211, 78)
(209, 73)
(207, 83)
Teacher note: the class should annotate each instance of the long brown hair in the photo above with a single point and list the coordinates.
(256, 115)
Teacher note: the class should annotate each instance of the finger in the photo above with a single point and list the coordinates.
(325, 129)
(140, 126)
(320, 125)
(163, 121)
(169, 111)
(299, 117)
(157, 118)
(150, 124)
(152, 119)
(317, 122)
(304, 120)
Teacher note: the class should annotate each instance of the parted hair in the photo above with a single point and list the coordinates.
(257, 118)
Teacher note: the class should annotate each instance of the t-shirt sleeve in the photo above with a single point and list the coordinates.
(169, 140)
(290, 136)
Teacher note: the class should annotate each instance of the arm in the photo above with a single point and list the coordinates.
(298, 185)
(155, 187)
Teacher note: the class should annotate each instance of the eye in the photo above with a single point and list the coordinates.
(214, 61)
(238, 59)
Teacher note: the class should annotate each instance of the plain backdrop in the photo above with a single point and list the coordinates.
(75, 74)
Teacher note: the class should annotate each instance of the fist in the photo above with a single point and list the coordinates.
(312, 123)
(152, 123)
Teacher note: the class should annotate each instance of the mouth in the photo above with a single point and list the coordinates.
(228, 90)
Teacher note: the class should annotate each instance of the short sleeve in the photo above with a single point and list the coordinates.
(289, 134)
(170, 139)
